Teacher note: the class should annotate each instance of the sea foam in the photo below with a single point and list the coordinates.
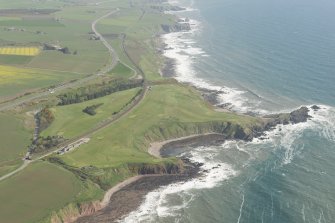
(183, 49)
(172, 199)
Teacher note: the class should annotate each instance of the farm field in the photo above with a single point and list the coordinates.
(14, 60)
(33, 193)
(168, 111)
(86, 56)
(14, 81)
(20, 51)
(14, 138)
(71, 121)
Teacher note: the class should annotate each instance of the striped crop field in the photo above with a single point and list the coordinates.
(20, 51)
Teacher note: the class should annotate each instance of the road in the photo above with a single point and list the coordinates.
(114, 57)
(24, 165)
(113, 54)
(105, 124)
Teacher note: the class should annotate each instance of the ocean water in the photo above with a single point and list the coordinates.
(267, 56)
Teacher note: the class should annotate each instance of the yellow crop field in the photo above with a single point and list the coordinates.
(20, 51)
(16, 80)
(9, 74)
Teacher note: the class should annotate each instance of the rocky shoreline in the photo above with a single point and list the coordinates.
(129, 197)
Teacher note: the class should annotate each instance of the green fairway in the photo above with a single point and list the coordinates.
(15, 139)
(33, 193)
(71, 121)
(167, 111)
(122, 70)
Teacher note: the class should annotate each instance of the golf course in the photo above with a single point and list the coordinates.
(89, 69)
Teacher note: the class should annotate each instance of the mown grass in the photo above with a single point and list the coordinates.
(167, 111)
(71, 121)
(33, 193)
(15, 139)
(139, 29)
(121, 70)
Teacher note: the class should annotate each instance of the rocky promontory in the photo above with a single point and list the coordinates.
(177, 27)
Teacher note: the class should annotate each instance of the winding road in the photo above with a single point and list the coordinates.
(114, 57)
(108, 122)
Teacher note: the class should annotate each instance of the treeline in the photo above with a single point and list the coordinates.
(45, 117)
(129, 102)
(45, 143)
(97, 90)
(90, 110)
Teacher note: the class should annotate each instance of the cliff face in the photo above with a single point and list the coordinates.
(72, 212)
(167, 168)
(177, 27)
(220, 131)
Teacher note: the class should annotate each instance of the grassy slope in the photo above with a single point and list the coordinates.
(121, 70)
(166, 107)
(139, 28)
(32, 193)
(70, 121)
(14, 139)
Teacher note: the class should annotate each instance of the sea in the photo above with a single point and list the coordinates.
(266, 56)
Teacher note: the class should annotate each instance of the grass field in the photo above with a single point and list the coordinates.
(139, 29)
(121, 70)
(68, 32)
(14, 81)
(71, 121)
(14, 138)
(14, 60)
(20, 51)
(33, 193)
(49, 22)
(165, 113)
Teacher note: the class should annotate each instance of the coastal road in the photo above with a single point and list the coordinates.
(114, 60)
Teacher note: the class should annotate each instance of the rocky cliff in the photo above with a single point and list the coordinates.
(177, 27)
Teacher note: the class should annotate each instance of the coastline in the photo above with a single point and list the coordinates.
(127, 196)
(156, 148)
